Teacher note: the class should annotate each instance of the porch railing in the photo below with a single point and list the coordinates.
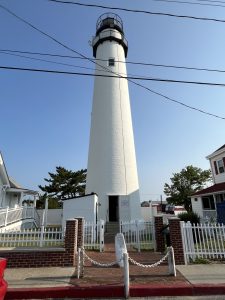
(13, 215)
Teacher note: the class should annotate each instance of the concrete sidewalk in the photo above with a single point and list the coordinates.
(203, 274)
(41, 283)
(39, 277)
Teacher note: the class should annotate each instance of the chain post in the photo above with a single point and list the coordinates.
(171, 262)
(102, 223)
(78, 263)
(126, 275)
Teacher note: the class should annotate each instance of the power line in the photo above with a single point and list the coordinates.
(210, 1)
(140, 11)
(129, 76)
(45, 60)
(136, 83)
(119, 61)
(86, 74)
(188, 2)
(115, 76)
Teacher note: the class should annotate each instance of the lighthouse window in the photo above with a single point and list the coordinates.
(111, 62)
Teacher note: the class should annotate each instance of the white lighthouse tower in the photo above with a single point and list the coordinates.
(112, 169)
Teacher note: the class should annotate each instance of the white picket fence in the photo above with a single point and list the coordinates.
(35, 237)
(203, 241)
(139, 234)
(94, 235)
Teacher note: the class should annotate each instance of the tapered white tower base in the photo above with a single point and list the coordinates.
(112, 170)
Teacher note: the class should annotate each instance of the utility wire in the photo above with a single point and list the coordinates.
(99, 75)
(45, 60)
(118, 61)
(114, 76)
(210, 1)
(128, 76)
(188, 2)
(80, 54)
(140, 11)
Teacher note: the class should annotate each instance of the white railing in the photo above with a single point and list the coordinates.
(13, 215)
(41, 237)
(94, 235)
(203, 241)
(138, 234)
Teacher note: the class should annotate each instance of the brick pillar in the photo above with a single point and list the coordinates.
(80, 234)
(159, 238)
(176, 240)
(71, 239)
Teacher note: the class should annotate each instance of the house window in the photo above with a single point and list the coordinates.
(208, 203)
(220, 166)
(220, 198)
(111, 62)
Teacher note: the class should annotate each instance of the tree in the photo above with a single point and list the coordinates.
(65, 184)
(184, 184)
(52, 202)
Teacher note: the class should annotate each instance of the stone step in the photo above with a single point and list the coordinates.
(112, 227)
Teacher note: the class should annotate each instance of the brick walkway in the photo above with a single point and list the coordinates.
(94, 275)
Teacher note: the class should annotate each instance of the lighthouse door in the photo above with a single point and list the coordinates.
(113, 208)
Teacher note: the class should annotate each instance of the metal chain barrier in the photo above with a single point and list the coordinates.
(149, 266)
(98, 263)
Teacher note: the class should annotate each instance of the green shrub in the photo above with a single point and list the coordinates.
(190, 216)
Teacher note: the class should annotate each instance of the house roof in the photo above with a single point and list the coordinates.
(219, 187)
(217, 152)
(3, 172)
(10, 182)
(14, 184)
(220, 148)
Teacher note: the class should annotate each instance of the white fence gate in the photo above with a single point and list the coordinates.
(139, 234)
(94, 235)
(203, 241)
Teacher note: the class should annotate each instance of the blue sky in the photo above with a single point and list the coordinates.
(45, 118)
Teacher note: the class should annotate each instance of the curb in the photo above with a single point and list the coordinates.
(115, 291)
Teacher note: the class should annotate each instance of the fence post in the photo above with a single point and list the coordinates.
(183, 229)
(126, 275)
(171, 262)
(101, 229)
(137, 235)
(6, 215)
(42, 235)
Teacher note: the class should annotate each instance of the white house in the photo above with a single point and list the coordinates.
(13, 213)
(209, 203)
(11, 193)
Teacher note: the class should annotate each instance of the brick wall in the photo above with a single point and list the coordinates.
(176, 240)
(44, 257)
